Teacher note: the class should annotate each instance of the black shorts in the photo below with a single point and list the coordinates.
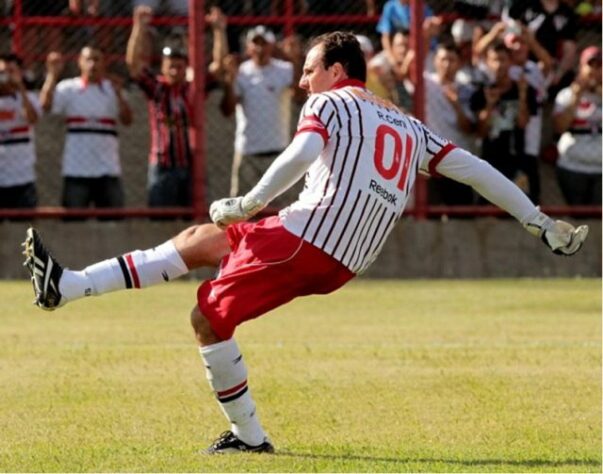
(104, 191)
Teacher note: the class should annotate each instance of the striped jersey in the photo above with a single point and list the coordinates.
(91, 111)
(17, 151)
(170, 111)
(357, 188)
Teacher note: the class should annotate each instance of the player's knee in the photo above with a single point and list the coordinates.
(202, 245)
(203, 330)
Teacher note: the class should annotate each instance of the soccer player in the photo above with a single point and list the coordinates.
(360, 156)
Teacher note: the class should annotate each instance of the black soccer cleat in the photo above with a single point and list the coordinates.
(45, 272)
(228, 443)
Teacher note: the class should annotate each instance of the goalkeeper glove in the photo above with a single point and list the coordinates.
(231, 210)
(561, 237)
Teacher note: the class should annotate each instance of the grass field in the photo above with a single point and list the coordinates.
(383, 376)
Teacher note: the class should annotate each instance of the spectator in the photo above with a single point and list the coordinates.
(92, 105)
(393, 70)
(260, 93)
(521, 41)
(447, 113)
(170, 108)
(373, 82)
(463, 33)
(395, 17)
(502, 107)
(19, 110)
(577, 116)
(554, 25)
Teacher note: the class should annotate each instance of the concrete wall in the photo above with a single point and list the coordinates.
(478, 248)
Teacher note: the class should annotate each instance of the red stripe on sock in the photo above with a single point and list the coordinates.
(133, 271)
(234, 389)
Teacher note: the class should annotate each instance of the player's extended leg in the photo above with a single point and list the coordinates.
(227, 375)
(195, 247)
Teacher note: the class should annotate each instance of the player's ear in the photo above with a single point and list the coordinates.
(338, 71)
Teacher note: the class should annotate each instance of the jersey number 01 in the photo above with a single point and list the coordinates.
(398, 163)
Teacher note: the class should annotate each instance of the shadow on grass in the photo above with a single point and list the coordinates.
(469, 462)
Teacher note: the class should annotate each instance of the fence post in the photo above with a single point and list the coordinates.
(196, 38)
(417, 44)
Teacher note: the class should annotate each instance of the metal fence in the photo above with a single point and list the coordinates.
(34, 28)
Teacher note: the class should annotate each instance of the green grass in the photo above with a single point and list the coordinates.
(383, 376)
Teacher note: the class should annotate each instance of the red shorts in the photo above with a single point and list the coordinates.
(268, 266)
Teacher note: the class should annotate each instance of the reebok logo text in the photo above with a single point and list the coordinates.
(384, 193)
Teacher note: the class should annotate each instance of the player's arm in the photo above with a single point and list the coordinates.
(284, 171)
(54, 66)
(561, 237)
(136, 43)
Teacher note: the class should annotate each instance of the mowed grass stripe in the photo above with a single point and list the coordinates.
(383, 376)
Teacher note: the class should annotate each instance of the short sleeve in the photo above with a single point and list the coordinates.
(60, 99)
(562, 101)
(287, 74)
(319, 115)
(384, 26)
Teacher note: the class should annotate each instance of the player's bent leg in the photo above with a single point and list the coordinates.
(227, 376)
(202, 245)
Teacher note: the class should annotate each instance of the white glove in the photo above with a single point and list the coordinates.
(231, 210)
(561, 237)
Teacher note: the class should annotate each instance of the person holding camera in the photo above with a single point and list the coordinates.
(19, 110)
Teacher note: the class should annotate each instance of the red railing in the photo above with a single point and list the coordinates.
(289, 20)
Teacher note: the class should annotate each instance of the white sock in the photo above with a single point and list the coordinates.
(138, 269)
(227, 375)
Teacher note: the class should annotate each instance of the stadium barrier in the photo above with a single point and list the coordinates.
(32, 30)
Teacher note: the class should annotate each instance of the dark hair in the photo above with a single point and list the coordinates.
(498, 47)
(448, 46)
(343, 48)
(12, 58)
(401, 31)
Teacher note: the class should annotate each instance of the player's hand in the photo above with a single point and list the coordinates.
(143, 15)
(232, 210)
(54, 63)
(560, 236)
(565, 239)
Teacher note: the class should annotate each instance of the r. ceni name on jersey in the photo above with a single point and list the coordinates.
(389, 119)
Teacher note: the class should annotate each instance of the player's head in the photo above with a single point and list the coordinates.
(590, 66)
(400, 44)
(332, 58)
(260, 44)
(91, 63)
(446, 61)
(174, 62)
(498, 61)
(10, 72)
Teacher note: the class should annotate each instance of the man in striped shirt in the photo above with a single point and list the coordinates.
(170, 109)
(92, 106)
(360, 156)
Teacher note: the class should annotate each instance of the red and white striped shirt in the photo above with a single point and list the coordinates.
(356, 190)
(170, 111)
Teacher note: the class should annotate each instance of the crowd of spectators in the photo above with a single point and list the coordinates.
(502, 82)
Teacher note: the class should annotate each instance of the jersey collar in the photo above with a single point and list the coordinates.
(348, 82)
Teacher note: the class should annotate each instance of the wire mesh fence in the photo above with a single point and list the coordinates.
(110, 116)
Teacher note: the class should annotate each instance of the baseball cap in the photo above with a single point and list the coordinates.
(590, 53)
(260, 31)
